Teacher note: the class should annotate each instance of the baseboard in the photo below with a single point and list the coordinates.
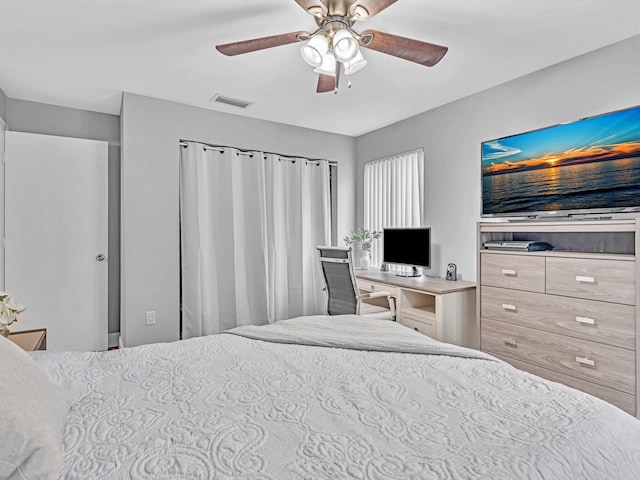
(114, 339)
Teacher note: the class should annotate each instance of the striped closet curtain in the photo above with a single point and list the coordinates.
(393, 195)
(249, 225)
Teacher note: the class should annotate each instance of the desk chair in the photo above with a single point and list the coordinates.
(343, 296)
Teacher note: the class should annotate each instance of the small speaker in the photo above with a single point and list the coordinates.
(452, 272)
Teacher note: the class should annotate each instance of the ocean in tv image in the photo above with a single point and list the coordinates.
(588, 164)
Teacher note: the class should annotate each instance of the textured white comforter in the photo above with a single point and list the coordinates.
(229, 407)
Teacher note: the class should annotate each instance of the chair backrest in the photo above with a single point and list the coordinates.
(339, 279)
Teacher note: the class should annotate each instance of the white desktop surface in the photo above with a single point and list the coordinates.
(424, 283)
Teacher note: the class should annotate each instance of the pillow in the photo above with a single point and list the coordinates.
(32, 416)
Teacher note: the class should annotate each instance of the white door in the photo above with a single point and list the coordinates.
(56, 237)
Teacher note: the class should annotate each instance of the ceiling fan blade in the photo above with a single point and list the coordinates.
(427, 54)
(373, 7)
(246, 46)
(326, 83)
(314, 7)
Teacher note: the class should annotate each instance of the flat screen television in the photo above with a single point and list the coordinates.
(407, 246)
(590, 166)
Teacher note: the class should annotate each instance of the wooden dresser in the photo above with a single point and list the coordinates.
(569, 314)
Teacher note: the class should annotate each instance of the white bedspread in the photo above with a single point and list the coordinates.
(354, 333)
(228, 407)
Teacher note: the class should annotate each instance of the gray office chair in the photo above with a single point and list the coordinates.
(343, 296)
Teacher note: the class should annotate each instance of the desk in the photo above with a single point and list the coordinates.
(442, 309)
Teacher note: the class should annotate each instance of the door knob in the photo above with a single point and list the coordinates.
(100, 257)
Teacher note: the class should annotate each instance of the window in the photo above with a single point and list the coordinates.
(393, 195)
(333, 196)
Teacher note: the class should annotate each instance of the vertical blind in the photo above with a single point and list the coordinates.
(393, 195)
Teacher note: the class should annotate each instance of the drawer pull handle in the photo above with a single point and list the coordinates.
(506, 271)
(510, 342)
(580, 278)
(585, 361)
(509, 307)
(586, 320)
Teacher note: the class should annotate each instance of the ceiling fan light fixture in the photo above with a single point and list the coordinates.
(335, 48)
(316, 11)
(354, 65)
(315, 50)
(328, 66)
(345, 47)
(360, 13)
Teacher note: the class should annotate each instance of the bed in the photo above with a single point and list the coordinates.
(326, 398)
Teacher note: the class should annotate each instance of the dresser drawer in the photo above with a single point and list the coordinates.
(422, 325)
(595, 279)
(602, 322)
(522, 272)
(605, 365)
(622, 400)
(369, 286)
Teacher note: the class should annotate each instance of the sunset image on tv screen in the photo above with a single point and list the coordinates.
(588, 164)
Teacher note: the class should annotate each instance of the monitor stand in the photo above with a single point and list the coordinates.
(415, 272)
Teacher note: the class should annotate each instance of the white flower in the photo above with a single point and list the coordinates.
(9, 310)
(7, 316)
(11, 304)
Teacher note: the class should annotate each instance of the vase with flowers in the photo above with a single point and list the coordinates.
(9, 311)
(364, 239)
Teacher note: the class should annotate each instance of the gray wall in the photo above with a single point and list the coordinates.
(32, 117)
(595, 83)
(3, 106)
(151, 131)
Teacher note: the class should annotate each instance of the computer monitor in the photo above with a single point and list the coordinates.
(407, 246)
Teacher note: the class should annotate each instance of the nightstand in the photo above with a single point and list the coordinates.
(30, 340)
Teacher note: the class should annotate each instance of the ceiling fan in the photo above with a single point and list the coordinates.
(334, 48)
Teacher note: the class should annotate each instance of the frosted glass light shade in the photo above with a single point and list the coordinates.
(314, 50)
(356, 64)
(345, 47)
(328, 66)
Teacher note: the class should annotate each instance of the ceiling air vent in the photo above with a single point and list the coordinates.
(234, 102)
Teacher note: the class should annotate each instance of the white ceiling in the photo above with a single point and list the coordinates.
(85, 53)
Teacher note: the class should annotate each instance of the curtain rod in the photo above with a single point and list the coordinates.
(220, 148)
